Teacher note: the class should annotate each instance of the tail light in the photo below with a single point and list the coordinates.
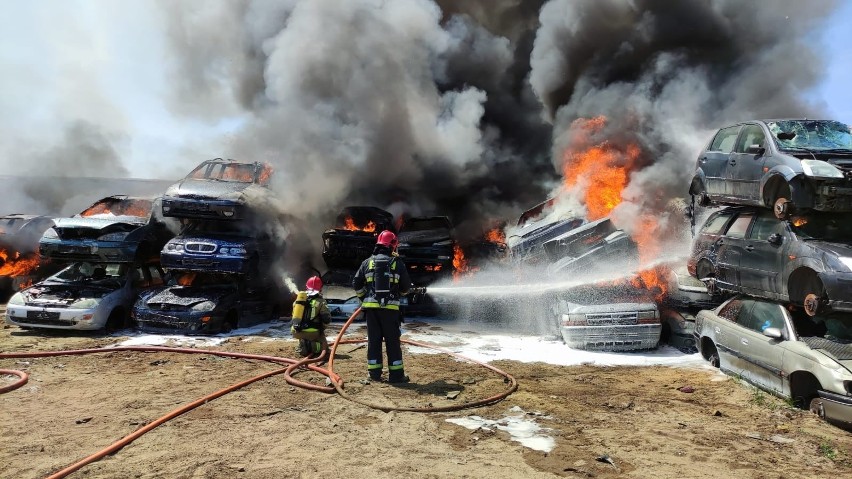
(648, 317)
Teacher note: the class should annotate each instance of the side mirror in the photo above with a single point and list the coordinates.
(773, 333)
(775, 239)
(756, 149)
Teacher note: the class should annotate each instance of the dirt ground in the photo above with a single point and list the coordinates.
(74, 406)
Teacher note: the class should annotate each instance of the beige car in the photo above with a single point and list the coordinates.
(783, 351)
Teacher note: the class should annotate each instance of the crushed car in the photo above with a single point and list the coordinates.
(594, 247)
(84, 296)
(806, 261)
(608, 320)
(219, 246)
(783, 351)
(427, 246)
(352, 238)
(536, 226)
(789, 165)
(218, 189)
(20, 264)
(195, 302)
(683, 298)
(113, 229)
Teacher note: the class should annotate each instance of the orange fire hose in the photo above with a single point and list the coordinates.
(293, 366)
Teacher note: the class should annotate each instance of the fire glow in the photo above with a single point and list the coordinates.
(497, 235)
(138, 207)
(13, 264)
(461, 265)
(186, 279)
(349, 225)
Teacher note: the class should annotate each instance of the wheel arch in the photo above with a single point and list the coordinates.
(804, 386)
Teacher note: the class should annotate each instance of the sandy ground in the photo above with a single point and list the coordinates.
(635, 416)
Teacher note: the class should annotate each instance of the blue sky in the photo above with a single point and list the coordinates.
(105, 62)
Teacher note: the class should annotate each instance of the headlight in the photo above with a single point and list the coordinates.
(820, 169)
(178, 247)
(50, 234)
(17, 299)
(113, 236)
(204, 306)
(842, 263)
(87, 303)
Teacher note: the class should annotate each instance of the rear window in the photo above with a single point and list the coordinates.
(731, 311)
(725, 139)
(739, 226)
(714, 225)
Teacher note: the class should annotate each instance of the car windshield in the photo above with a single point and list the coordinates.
(823, 226)
(140, 207)
(232, 171)
(92, 273)
(811, 134)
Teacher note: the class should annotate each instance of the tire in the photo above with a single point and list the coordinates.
(817, 407)
(117, 321)
(708, 350)
(810, 293)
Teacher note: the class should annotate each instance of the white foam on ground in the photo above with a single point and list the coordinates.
(144, 339)
(520, 429)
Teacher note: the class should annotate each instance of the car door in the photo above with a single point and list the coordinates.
(729, 251)
(762, 261)
(745, 165)
(761, 357)
(725, 334)
(714, 160)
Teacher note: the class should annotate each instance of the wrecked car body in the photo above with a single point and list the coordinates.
(204, 303)
(338, 293)
(219, 247)
(783, 351)
(535, 227)
(684, 297)
(595, 247)
(605, 320)
(427, 247)
(806, 261)
(786, 165)
(114, 229)
(218, 189)
(353, 237)
(83, 296)
(20, 264)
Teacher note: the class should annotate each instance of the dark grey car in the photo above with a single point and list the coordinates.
(786, 165)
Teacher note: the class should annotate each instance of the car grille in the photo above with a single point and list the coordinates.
(601, 319)
(203, 248)
(43, 315)
(46, 322)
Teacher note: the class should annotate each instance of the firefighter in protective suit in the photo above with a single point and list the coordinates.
(310, 317)
(380, 282)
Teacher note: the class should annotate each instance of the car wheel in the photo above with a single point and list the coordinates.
(708, 350)
(703, 200)
(117, 321)
(812, 304)
(811, 293)
(783, 208)
(817, 407)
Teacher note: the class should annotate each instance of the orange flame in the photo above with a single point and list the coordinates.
(186, 279)
(349, 225)
(799, 221)
(138, 207)
(461, 265)
(654, 280)
(647, 234)
(16, 265)
(265, 174)
(497, 235)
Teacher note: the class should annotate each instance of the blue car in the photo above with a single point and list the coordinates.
(204, 303)
(218, 246)
(113, 229)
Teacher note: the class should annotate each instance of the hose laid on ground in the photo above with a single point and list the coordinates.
(293, 366)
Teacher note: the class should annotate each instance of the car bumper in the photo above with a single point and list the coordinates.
(838, 288)
(212, 263)
(838, 408)
(170, 322)
(203, 209)
(54, 318)
(105, 251)
(612, 338)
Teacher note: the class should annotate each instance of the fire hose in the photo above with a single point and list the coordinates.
(294, 365)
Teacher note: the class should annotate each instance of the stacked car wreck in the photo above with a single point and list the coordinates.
(219, 262)
(784, 248)
(109, 252)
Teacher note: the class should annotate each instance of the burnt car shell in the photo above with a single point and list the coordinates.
(609, 322)
(114, 229)
(217, 189)
(353, 237)
(684, 297)
(535, 227)
(594, 247)
(22, 232)
(426, 245)
(217, 246)
(208, 303)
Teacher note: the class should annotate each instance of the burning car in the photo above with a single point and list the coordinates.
(83, 296)
(604, 319)
(204, 303)
(786, 165)
(597, 246)
(427, 247)
(784, 351)
(353, 237)
(19, 261)
(806, 261)
(219, 246)
(218, 189)
(114, 229)
(535, 228)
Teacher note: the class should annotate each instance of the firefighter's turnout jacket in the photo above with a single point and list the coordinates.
(369, 276)
(315, 318)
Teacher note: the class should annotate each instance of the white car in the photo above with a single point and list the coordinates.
(784, 351)
(609, 326)
(83, 296)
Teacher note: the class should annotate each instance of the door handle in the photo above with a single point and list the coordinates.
(717, 330)
(744, 341)
(749, 248)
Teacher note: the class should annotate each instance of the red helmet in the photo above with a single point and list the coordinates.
(314, 283)
(387, 238)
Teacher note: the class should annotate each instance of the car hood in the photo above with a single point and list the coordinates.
(839, 249)
(209, 189)
(64, 293)
(188, 295)
(425, 237)
(98, 223)
(609, 308)
(840, 352)
(337, 293)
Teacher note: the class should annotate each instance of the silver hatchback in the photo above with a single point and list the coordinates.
(783, 351)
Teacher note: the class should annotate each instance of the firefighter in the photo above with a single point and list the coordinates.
(380, 282)
(310, 317)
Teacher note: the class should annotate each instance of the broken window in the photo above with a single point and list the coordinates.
(811, 134)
